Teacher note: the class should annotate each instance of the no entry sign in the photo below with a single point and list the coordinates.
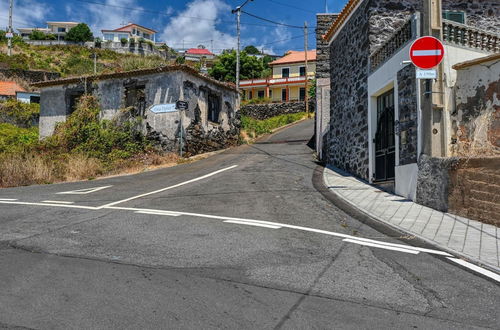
(426, 52)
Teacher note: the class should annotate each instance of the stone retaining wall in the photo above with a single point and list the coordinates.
(474, 189)
(30, 76)
(469, 187)
(268, 110)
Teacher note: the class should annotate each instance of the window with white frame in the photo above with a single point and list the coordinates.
(123, 36)
(302, 71)
(109, 36)
(285, 72)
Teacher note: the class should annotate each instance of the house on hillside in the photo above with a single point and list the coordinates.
(392, 129)
(287, 83)
(129, 32)
(209, 123)
(198, 54)
(59, 29)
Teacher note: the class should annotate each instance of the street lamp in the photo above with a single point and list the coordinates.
(237, 10)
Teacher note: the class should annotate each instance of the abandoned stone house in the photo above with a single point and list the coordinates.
(385, 126)
(209, 123)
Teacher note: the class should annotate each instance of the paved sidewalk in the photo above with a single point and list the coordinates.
(463, 237)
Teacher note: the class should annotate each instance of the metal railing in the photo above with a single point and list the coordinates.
(400, 37)
(470, 37)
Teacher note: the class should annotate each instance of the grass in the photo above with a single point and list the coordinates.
(74, 60)
(83, 147)
(252, 128)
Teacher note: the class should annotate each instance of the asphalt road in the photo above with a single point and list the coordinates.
(239, 240)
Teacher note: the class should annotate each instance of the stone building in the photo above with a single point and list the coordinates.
(209, 123)
(382, 119)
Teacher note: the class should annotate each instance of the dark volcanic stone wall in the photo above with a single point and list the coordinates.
(268, 110)
(483, 14)
(323, 23)
(407, 99)
(348, 136)
(387, 15)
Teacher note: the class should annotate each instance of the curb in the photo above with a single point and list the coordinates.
(385, 227)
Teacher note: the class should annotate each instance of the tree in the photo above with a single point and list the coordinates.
(80, 33)
(37, 35)
(251, 50)
(224, 67)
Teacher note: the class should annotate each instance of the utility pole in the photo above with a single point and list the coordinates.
(306, 96)
(10, 32)
(238, 19)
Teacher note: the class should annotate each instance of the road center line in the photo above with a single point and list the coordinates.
(475, 268)
(57, 202)
(51, 204)
(8, 199)
(172, 214)
(380, 246)
(238, 222)
(168, 188)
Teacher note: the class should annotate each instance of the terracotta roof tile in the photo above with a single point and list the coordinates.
(9, 88)
(198, 51)
(296, 57)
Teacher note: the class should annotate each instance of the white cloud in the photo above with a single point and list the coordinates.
(112, 16)
(26, 13)
(277, 40)
(193, 31)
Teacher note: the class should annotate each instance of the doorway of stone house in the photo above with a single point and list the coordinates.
(385, 146)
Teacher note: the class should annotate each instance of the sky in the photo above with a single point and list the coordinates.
(185, 24)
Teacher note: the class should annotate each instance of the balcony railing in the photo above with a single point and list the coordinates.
(470, 37)
(274, 81)
(400, 37)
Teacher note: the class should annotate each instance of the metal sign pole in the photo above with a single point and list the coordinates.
(181, 129)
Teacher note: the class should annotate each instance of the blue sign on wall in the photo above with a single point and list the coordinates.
(163, 108)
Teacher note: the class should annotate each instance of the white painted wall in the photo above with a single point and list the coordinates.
(406, 181)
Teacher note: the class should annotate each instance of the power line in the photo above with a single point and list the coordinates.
(270, 21)
(292, 6)
(164, 13)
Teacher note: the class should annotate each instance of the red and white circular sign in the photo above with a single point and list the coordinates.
(426, 52)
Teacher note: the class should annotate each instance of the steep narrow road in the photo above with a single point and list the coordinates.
(239, 240)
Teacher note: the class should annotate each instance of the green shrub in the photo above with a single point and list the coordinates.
(259, 127)
(80, 33)
(16, 139)
(37, 35)
(51, 36)
(105, 140)
(19, 113)
(123, 41)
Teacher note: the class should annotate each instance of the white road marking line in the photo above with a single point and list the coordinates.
(47, 204)
(83, 191)
(58, 202)
(475, 268)
(238, 222)
(408, 247)
(8, 199)
(380, 246)
(355, 239)
(430, 52)
(171, 214)
(171, 187)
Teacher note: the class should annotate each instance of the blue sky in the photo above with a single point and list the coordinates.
(188, 23)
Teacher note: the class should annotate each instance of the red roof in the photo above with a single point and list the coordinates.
(199, 51)
(9, 88)
(294, 56)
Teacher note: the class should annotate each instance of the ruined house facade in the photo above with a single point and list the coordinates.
(376, 129)
(209, 123)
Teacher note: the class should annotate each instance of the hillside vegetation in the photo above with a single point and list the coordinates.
(83, 147)
(72, 60)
